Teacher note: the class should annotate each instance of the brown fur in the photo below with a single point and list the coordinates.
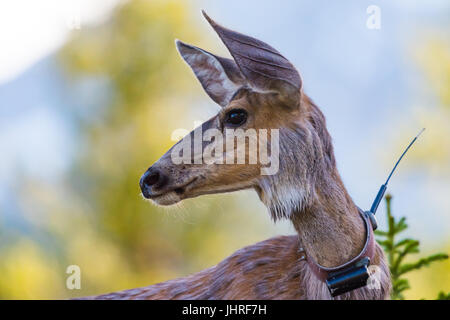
(328, 224)
(307, 189)
(271, 269)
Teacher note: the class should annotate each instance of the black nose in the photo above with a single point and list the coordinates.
(152, 178)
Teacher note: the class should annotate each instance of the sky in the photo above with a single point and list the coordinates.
(359, 77)
(31, 30)
(366, 82)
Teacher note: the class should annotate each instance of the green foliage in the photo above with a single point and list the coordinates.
(443, 296)
(398, 251)
(150, 93)
(132, 92)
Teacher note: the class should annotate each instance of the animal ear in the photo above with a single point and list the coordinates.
(264, 67)
(219, 77)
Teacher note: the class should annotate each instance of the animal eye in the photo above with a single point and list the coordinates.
(236, 117)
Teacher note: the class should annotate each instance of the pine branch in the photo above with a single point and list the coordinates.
(397, 252)
(443, 296)
(424, 262)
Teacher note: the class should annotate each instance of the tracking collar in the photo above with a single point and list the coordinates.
(354, 273)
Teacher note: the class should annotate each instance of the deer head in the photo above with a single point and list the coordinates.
(258, 90)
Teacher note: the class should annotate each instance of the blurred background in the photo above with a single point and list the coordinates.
(93, 92)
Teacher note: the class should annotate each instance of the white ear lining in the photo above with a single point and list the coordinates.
(210, 72)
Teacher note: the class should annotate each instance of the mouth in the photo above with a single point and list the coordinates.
(170, 196)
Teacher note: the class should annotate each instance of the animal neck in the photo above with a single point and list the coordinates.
(330, 228)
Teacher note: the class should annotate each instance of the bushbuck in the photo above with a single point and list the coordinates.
(260, 89)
